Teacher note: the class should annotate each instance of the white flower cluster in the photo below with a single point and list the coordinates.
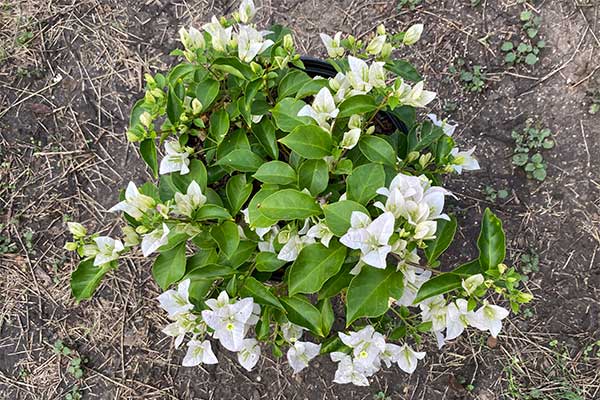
(369, 350)
(229, 322)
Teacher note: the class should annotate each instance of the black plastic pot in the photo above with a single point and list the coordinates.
(317, 67)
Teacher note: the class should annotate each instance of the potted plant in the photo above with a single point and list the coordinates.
(285, 184)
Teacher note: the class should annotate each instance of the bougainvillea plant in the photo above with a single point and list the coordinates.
(280, 194)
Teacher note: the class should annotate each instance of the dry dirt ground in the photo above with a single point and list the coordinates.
(64, 156)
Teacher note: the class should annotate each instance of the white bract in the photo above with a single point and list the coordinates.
(416, 96)
(371, 237)
(407, 358)
(463, 160)
(251, 43)
(334, 49)
(108, 250)
(348, 371)
(135, 203)
(220, 36)
(247, 11)
(300, 354)
(350, 138)
(363, 78)
(366, 344)
(177, 159)
(472, 283)
(488, 318)
(295, 244)
(183, 323)
(186, 204)
(176, 302)
(413, 278)
(291, 332)
(457, 318)
(249, 354)
(447, 127)
(191, 39)
(155, 239)
(413, 34)
(322, 109)
(199, 353)
(320, 231)
(376, 45)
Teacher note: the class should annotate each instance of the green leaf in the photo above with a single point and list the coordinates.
(169, 266)
(404, 69)
(520, 159)
(361, 186)
(539, 174)
(180, 71)
(219, 125)
(241, 160)
(210, 271)
(314, 266)
(86, 278)
(148, 152)
(200, 259)
(313, 175)
(292, 82)
(276, 172)
(312, 87)
(212, 211)
(309, 141)
(359, 104)
(369, 292)
(257, 219)
(337, 283)
(443, 237)
(491, 242)
(264, 132)
(448, 281)
(238, 192)
(507, 46)
(337, 215)
(301, 312)
(531, 59)
(327, 316)
(286, 114)
(268, 262)
(234, 66)
(289, 204)
(510, 57)
(207, 91)
(136, 111)
(259, 292)
(174, 107)
(227, 237)
(377, 150)
(245, 250)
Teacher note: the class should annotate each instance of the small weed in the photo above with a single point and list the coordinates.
(595, 103)
(529, 262)
(475, 3)
(528, 146)
(60, 348)
(527, 50)
(74, 367)
(74, 393)
(28, 241)
(472, 79)
(411, 4)
(24, 37)
(381, 396)
(527, 313)
(492, 194)
(6, 246)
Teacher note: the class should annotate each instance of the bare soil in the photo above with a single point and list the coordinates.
(64, 156)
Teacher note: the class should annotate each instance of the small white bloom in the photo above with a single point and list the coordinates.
(447, 127)
(417, 96)
(457, 318)
(186, 204)
(300, 354)
(391, 354)
(377, 75)
(154, 240)
(340, 86)
(249, 354)
(191, 39)
(135, 203)
(267, 244)
(367, 345)
(408, 358)
(333, 46)
(76, 229)
(177, 301)
(488, 318)
(199, 353)
(358, 76)
(146, 119)
(290, 251)
(355, 122)
(373, 239)
(413, 34)
(425, 230)
(291, 332)
(376, 45)
(247, 11)
(251, 43)
(348, 371)
(472, 283)
(176, 160)
(414, 278)
(108, 250)
(350, 138)
(183, 324)
(463, 160)
(230, 321)
(320, 231)
(220, 36)
(322, 109)
(434, 309)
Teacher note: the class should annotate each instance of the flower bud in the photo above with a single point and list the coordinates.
(413, 34)
(89, 250)
(163, 210)
(288, 43)
(370, 130)
(150, 80)
(247, 11)
(157, 93)
(141, 229)
(381, 29)
(133, 136)
(131, 237)
(502, 268)
(196, 106)
(424, 160)
(386, 51)
(148, 98)
(412, 156)
(355, 121)
(146, 119)
(256, 68)
(70, 246)
(76, 229)
(376, 45)
(524, 297)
